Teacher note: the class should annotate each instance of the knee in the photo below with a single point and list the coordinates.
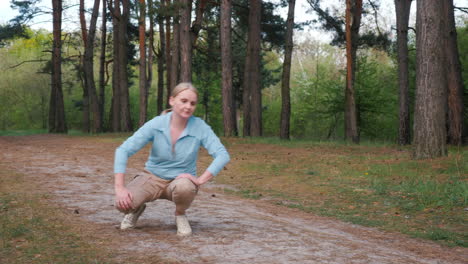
(184, 187)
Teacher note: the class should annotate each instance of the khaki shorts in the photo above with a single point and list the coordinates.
(148, 187)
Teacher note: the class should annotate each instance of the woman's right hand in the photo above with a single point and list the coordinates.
(123, 199)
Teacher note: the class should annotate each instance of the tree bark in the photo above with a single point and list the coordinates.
(115, 116)
(57, 122)
(142, 76)
(86, 123)
(161, 55)
(197, 24)
(454, 79)
(168, 60)
(175, 57)
(353, 22)
(84, 33)
(229, 109)
(149, 79)
(252, 98)
(89, 70)
(402, 10)
(431, 87)
(81, 71)
(286, 76)
(102, 63)
(120, 112)
(127, 125)
(185, 41)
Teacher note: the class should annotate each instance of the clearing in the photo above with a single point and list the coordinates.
(76, 172)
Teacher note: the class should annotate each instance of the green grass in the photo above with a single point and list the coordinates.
(22, 132)
(30, 236)
(33, 232)
(298, 142)
(71, 132)
(375, 185)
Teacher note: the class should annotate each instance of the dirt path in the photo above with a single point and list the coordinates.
(78, 173)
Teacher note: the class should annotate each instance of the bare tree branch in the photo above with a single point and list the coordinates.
(462, 9)
(106, 82)
(23, 62)
(375, 9)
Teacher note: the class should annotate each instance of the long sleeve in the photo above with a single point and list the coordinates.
(216, 149)
(133, 144)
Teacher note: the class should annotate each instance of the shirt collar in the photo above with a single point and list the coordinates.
(188, 131)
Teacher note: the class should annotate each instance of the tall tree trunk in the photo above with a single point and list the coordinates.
(256, 91)
(229, 109)
(402, 10)
(168, 60)
(86, 123)
(161, 55)
(175, 58)
(142, 77)
(454, 79)
(431, 87)
(57, 122)
(115, 115)
(102, 63)
(285, 95)
(120, 112)
(252, 91)
(197, 24)
(151, 47)
(123, 45)
(246, 91)
(85, 103)
(84, 33)
(89, 70)
(185, 41)
(353, 22)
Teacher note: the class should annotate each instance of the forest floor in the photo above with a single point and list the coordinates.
(75, 174)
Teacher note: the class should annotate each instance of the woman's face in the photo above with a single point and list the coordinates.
(184, 103)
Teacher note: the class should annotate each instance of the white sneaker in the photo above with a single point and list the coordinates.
(183, 226)
(129, 220)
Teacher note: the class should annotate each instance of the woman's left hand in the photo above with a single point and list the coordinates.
(190, 177)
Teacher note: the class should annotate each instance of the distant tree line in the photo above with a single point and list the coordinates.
(223, 44)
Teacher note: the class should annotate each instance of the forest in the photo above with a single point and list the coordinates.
(257, 71)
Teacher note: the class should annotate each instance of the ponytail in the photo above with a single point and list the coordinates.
(166, 111)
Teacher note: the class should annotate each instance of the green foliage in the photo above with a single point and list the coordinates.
(334, 23)
(317, 95)
(317, 84)
(11, 31)
(24, 90)
(272, 25)
(462, 35)
(376, 97)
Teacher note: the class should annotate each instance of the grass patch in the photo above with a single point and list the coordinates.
(376, 185)
(33, 232)
(372, 185)
(22, 132)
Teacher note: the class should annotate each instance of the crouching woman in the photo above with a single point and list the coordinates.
(170, 171)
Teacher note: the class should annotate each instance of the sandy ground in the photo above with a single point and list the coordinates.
(77, 172)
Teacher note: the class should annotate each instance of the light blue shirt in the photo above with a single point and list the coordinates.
(162, 161)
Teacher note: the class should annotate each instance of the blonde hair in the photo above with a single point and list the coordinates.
(178, 89)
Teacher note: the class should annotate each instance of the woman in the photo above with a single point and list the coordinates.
(170, 172)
